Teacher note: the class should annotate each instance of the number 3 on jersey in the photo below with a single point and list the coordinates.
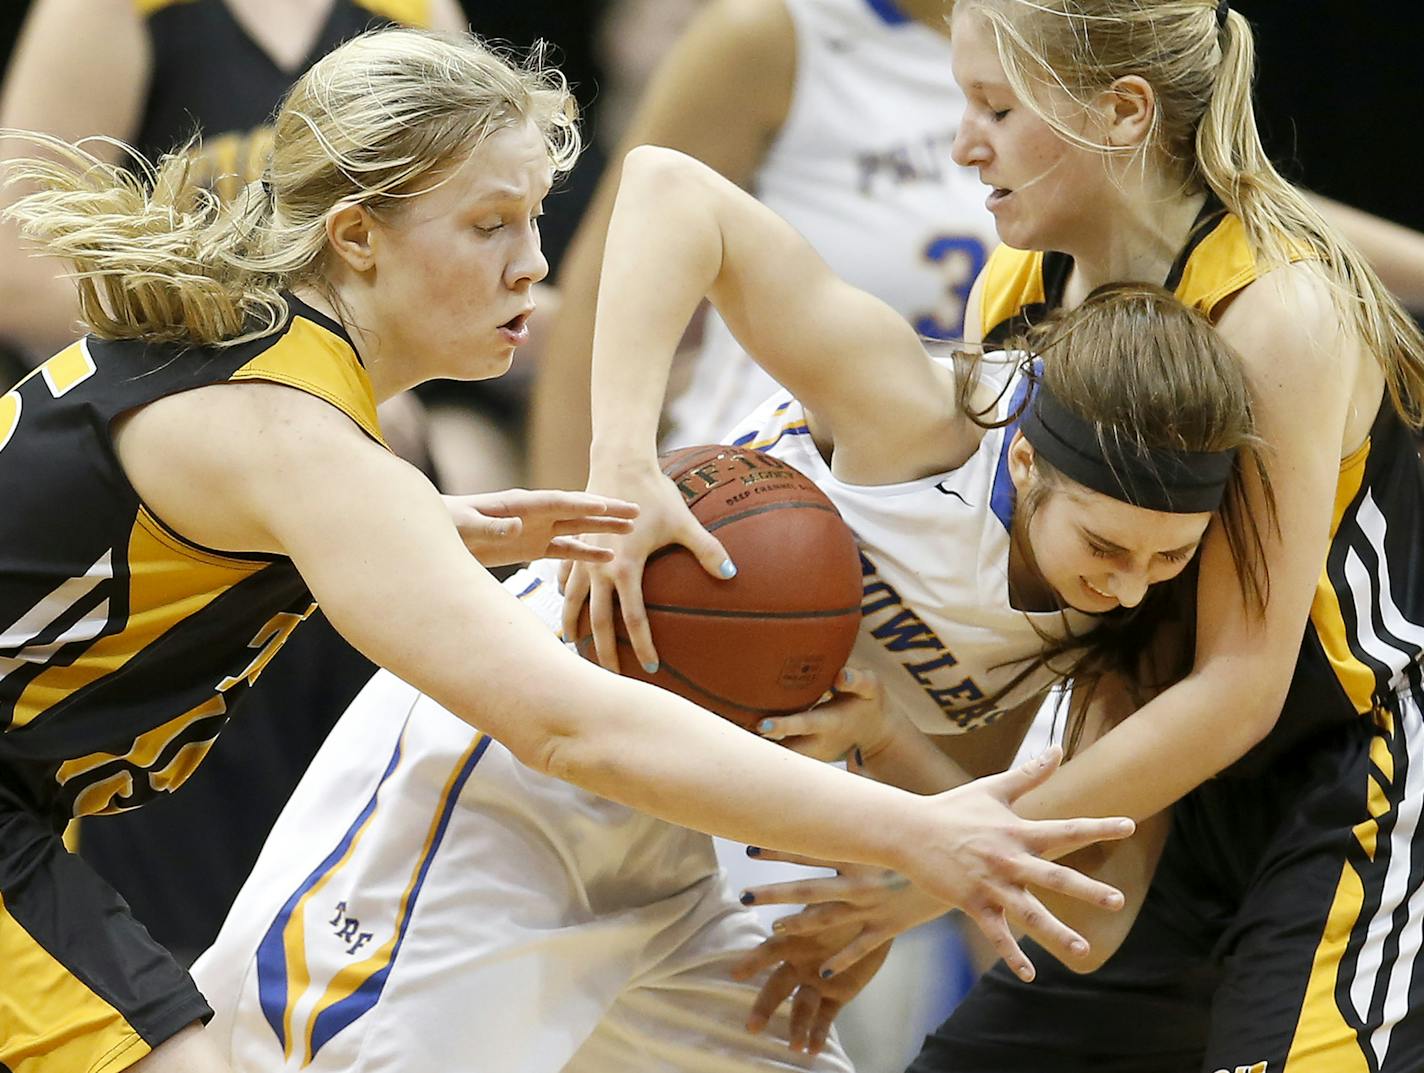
(62, 373)
(960, 258)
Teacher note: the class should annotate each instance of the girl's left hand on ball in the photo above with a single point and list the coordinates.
(849, 724)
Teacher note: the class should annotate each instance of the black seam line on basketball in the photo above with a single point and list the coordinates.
(716, 697)
(763, 508)
(711, 612)
(668, 549)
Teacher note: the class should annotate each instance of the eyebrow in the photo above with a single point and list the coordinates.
(1109, 546)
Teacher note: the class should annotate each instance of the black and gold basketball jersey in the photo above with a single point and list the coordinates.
(210, 76)
(1366, 626)
(123, 647)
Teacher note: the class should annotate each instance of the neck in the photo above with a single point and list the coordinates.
(348, 311)
(1140, 237)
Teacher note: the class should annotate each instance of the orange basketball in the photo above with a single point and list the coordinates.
(769, 641)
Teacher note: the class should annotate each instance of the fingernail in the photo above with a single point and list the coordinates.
(651, 667)
(859, 760)
(826, 974)
(753, 851)
(1079, 947)
(728, 568)
(766, 726)
(778, 926)
(747, 897)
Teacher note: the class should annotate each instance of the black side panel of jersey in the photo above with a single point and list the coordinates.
(210, 76)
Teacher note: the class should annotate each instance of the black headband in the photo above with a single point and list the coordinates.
(1223, 9)
(1177, 482)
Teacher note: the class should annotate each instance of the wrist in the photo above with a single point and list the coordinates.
(619, 454)
(878, 735)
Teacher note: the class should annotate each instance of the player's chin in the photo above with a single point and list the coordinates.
(488, 364)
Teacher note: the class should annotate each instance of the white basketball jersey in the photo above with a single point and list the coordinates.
(862, 169)
(937, 625)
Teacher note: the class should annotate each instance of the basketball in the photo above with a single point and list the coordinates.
(769, 641)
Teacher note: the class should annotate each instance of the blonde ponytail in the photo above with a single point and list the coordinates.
(1283, 225)
(156, 255)
(1201, 70)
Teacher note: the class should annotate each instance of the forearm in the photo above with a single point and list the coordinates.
(1174, 743)
(654, 752)
(910, 759)
(663, 251)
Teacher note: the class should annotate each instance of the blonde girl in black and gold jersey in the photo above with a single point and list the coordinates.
(151, 73)
(1282, 930)
(180, 484)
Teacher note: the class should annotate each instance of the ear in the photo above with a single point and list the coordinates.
(1021, 456)
(1128, 106)
(348, 233)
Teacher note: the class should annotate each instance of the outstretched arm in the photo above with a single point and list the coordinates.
(371, 537)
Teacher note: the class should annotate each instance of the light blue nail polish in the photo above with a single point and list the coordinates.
(728, 568)
(651, 668)
(766, 726)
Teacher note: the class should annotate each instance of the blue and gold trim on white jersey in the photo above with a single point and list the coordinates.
(302, 1020)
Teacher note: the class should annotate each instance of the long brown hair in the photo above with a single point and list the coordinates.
(1147, 373)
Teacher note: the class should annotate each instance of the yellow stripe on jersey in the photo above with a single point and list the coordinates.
(95, 800)
(149, 7)
(10, 406)
(1220, 266)
(68, 369)
(1355, 677)
(168, 581)
(1322, 1042)
(410, 12)
(313, 359)
(62, 1024)
(1012, 279)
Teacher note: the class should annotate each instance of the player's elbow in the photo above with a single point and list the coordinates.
(655, 174)
(565, 729)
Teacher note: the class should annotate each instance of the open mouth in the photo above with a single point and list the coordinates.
(516, 329)
(997, 197)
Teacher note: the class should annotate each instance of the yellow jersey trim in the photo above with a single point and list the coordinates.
(148, 7)
(1013, 279)
(64, 1024)
(314, 360)
(410, 12)
(1355, 678)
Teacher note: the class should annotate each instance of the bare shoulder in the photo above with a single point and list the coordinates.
(1301, 355)
(212, 460)
(1288, 310)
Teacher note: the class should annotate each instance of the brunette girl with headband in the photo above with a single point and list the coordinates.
(1119, 143)
(179, 485)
